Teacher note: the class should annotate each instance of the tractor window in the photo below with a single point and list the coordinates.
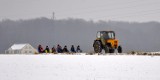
(105, 35)
(111, 35)
(98, 35)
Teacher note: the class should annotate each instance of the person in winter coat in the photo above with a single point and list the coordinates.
(72, 49)
(53, 50)
(59, 49)
(40, 49)
(47, 49)
(65, 50)
(78, 49)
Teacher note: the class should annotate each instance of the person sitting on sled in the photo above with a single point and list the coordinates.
(59, 49)
(47, 50)
(40, 49)
(72, 49)
(53, 50)
(78, 49)
(65, 50)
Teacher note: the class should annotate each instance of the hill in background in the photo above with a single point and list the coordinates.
(132, 35)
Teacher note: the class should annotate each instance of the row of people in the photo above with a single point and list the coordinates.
(59, 49)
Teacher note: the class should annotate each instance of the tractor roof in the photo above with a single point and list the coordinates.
(105, 31)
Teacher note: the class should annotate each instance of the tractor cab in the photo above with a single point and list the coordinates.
(106, 34)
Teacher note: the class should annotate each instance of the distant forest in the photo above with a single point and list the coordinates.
(133, 36)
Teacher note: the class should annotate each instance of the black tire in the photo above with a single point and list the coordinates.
(97, 47)
(111, 50)
(119, 49)
(106, 49)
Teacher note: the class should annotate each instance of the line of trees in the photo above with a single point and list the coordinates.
(132, 36)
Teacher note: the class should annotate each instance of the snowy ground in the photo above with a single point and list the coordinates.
(79, 67)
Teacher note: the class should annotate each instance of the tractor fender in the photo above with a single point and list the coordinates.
(99, 41)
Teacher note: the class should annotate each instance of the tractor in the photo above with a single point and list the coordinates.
(106, 40)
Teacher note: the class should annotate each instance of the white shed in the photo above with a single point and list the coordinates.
(21, 49)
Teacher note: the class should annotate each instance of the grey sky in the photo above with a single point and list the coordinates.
(121, 10)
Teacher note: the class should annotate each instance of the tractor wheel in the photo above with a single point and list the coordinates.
(97, 47)
(106, 49)
(111, 50)
(119, 49)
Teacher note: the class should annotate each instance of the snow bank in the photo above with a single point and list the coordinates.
(79, 67)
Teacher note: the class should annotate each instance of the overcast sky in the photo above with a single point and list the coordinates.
(119, 10)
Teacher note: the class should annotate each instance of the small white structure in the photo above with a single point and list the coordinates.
(21, 49)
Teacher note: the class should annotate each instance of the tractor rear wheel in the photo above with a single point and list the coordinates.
(119, 49)
(97, 47)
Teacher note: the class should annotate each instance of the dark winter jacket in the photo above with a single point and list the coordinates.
(72, 49)
(65, 49)
(59, 49)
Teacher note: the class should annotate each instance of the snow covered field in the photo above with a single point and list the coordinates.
(79, 67)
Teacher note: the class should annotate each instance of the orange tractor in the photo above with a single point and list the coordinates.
(106, 40)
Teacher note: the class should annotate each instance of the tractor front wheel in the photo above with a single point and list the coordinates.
(106, 49)
(111, 50)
